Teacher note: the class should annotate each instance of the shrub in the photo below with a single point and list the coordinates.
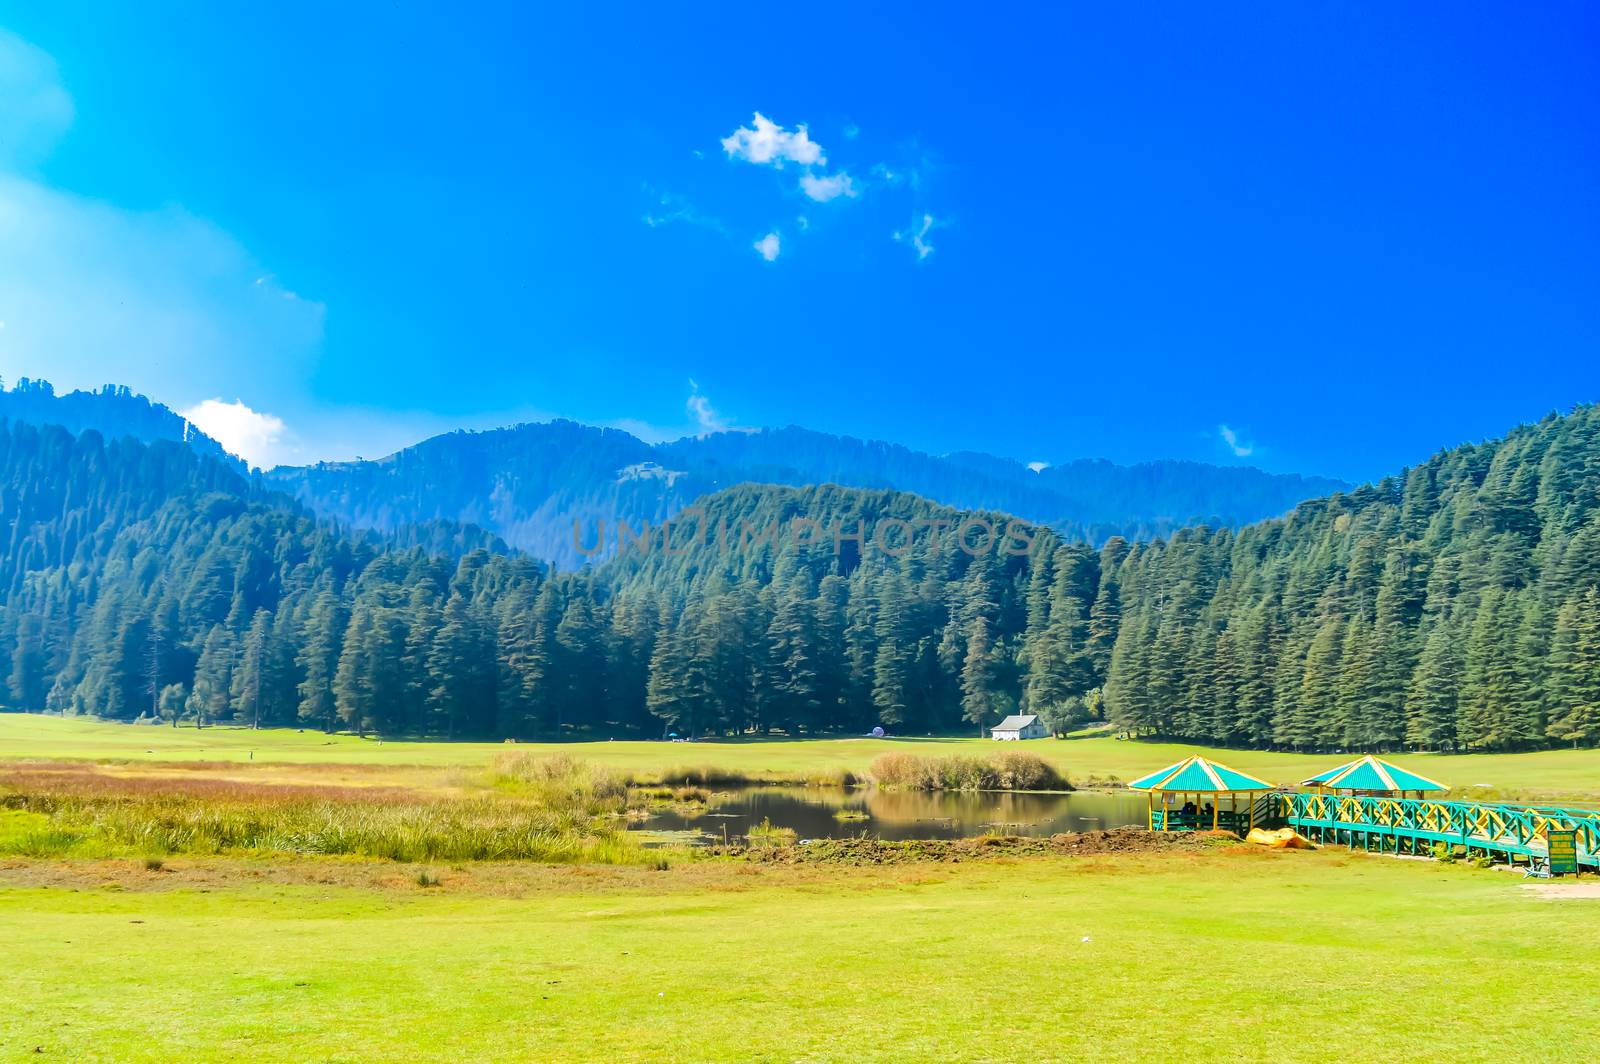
(1022, 771)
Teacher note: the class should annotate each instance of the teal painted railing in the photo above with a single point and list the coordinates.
(1484, 826)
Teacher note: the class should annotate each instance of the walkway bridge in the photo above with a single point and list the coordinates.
(1412, 825)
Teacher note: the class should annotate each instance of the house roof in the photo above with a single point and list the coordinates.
(1016, 722)
(1373, 774)
(1199, 774)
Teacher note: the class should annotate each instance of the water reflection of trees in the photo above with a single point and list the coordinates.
(981, 807)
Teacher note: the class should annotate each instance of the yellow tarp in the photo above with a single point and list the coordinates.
(1282, 839)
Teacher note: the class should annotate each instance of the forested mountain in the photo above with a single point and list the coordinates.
(1455, 605)
(530, 482)
(112, 411)
(144, 580)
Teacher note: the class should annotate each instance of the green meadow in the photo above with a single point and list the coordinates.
(1549, 776)
(229, 894)
(1228, 954)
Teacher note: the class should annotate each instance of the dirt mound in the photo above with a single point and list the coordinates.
(951, 851)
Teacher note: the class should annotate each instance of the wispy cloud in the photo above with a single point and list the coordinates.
(917, 236)
(768, 247)
(1235, 443)
(766, 143)
(256, 437)
(700, 409)
(35, 108)
(91, 291)
(670, 208)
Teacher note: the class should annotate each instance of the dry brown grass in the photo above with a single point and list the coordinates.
(556, 809)
(1009, 770)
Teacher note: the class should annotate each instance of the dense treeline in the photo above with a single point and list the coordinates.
(1454, 606)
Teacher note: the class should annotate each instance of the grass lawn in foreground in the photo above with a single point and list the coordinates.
(1229, 955)
(1545, 775)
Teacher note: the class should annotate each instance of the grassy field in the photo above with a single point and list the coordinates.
(1547, 775)
(124, 941)
(1236, 955)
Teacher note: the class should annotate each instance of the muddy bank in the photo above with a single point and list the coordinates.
(877, 852)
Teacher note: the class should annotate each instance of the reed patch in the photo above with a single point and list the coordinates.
(1012, 770)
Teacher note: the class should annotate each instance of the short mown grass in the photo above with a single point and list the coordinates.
(1305, 957)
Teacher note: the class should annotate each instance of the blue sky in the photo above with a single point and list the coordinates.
(1319, 240)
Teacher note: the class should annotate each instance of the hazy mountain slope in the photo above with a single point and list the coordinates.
(528, 483)
(1091, 499)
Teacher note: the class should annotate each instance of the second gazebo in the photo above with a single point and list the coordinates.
(1199, 785)
(1373, 775)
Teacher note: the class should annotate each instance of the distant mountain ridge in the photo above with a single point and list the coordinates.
(532, 485)
(529, 483)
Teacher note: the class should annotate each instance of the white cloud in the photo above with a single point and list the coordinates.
(1038, 467)
(256, 437)
(704, 414)
(767, 247)
(1235, 443)
(851, 131)
(822, 189)
(769, 144)
(917, 236)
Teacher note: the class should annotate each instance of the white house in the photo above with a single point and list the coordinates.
(1020, 726)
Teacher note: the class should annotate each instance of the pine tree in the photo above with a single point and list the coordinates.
(210, 693)
(1574, 686)
(322, 638)
(27, 682)
(251, 675)
(980, 694)
(1432, 700)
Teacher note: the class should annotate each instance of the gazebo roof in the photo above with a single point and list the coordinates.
(1199, 774)
(1373, 774)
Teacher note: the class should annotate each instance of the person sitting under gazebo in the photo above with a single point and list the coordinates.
(1200, 780)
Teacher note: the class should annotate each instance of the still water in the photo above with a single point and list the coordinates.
(813, 813)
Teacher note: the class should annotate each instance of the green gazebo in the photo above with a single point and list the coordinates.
(1199, 784)
(1373, 775)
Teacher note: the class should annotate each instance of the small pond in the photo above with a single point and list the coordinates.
(815, 813)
